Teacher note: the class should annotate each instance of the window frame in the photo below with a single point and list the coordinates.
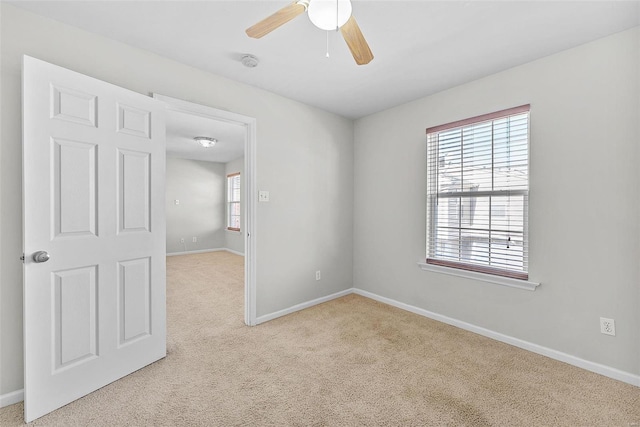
(230, 178)
(505, 276)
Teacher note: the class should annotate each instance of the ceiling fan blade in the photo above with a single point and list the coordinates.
(272, 22)
(356, 42)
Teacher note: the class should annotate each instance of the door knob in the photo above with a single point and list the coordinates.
(41, 256)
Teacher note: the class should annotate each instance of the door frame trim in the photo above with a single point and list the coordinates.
(249, 208)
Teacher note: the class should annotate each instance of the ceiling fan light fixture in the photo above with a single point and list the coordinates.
(205, 141)
(329, 14)
(324, 14)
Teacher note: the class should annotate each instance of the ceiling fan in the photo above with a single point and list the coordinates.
(324, 14)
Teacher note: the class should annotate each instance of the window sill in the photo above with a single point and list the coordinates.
(233, 231)
(504, 281)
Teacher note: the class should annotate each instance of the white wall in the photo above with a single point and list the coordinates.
(200, 189)
(306, 226)
(234, 240)
(584, 203)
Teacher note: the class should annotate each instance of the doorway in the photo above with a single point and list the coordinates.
(225, 127)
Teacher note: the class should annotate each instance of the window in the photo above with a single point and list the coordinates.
(233, 202)
(477, 193)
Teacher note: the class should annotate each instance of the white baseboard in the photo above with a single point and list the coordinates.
(302, 306)
(627, 377)
(11, 398)
(233, 252)
(598, 368)
(202, 251)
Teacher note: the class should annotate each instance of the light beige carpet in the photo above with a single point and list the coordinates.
(351, 361)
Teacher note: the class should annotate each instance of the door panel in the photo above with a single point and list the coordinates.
(134, 191)
(74, 188)
(75, 313)
(134, 121)
(74, 106)
(94, 165)
(134, 303)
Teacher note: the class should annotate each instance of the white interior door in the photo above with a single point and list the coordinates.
(93, 191)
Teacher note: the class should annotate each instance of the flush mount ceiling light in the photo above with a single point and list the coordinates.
(324, 14)
(205, 141)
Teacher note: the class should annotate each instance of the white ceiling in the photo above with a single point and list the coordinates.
(182, 128)
(420, 47)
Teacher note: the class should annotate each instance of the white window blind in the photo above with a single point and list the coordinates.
(477, 193)
(233, 202)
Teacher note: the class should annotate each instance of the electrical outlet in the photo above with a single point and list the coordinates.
(176, 201)
(195, 239)
(608, 326)
(318, 275)
(182, 240)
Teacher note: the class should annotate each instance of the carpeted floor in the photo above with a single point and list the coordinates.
(351, 361)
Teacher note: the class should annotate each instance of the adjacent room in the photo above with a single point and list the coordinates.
(204, 171)
(322, 212)
(204, 215)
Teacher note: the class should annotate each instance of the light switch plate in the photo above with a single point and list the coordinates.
(263, 196)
